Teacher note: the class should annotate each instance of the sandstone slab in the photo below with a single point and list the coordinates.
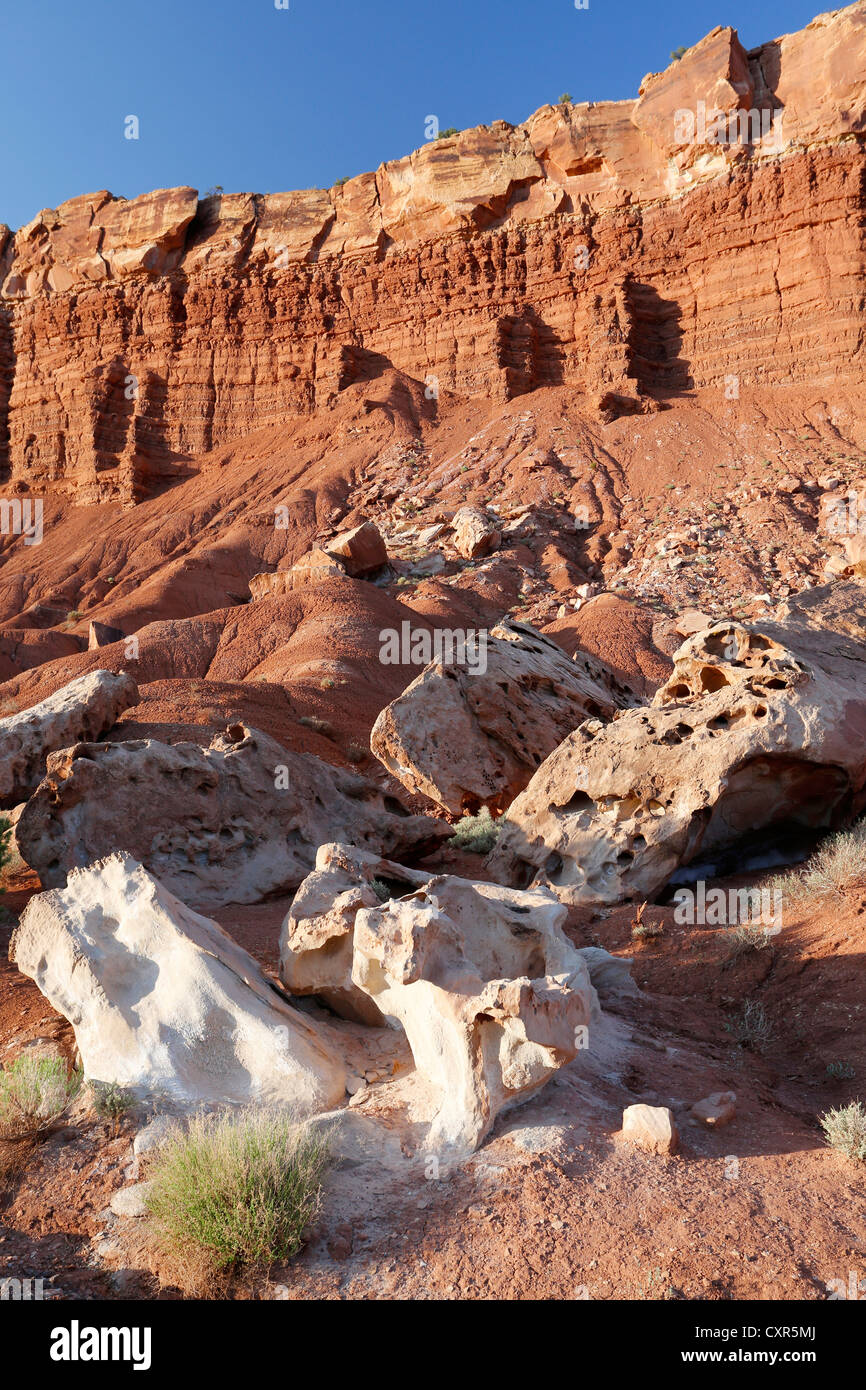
(504, 719)
(360, 551)
(131, 1201)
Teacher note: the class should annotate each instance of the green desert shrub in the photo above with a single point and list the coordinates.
(111, 1101)
(236, 1189)
(477, 834)
(841, 1071)
(845, 1130)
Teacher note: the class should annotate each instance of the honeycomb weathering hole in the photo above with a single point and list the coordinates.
(718, 644)
(713, 679)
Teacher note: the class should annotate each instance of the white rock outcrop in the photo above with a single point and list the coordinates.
(163, 1000)
(83, 709)
(318, 934)
(491, 994)
(233, 822)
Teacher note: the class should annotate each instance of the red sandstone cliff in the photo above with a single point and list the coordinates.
(595, 245)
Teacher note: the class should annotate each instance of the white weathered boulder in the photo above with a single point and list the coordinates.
(318, 934)
(233, 822)
(131, 1201)
(83, 709)
(163, 1000)
(491, 994)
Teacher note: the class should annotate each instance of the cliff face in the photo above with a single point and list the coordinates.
(712, 227)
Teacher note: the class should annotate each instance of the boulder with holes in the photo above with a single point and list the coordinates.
(318, 934)
(491, 994)
(504, 705)
(233, 822)
(758, 726)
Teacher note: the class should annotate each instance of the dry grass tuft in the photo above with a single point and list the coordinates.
(839, 864)
(34, 1093)
(233, 1193)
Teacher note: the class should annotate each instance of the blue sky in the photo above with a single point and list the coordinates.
(239, 93)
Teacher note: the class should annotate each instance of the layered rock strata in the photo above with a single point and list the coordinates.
(623, 247)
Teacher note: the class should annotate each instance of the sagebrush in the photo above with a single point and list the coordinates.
(839, 863)
(34, 1092)
(845, 1130)
(477, 834)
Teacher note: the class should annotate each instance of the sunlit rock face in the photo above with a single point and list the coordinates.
(617, 246)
